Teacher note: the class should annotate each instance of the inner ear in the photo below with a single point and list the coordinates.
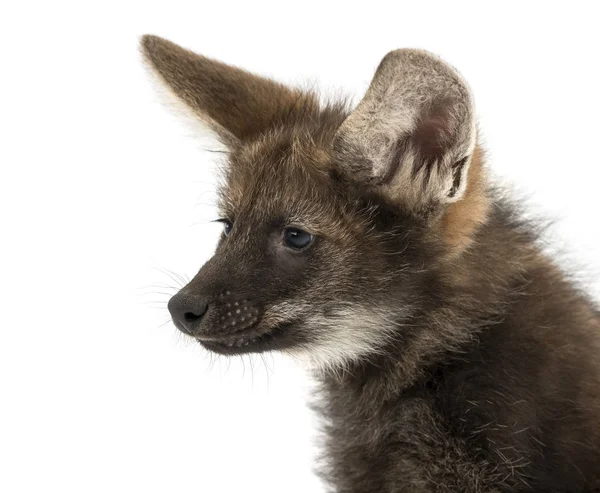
(459, 177)
(429, 142)
(434, 135)
(413, 132)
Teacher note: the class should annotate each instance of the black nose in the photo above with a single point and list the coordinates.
(187, 311)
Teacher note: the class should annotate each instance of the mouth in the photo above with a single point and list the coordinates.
(253, 341)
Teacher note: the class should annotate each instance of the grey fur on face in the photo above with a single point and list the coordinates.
(452, 354)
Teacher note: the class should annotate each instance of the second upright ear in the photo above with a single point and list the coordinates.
(413, 133)
(236, 104)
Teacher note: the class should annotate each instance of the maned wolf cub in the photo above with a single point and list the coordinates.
(453, 356)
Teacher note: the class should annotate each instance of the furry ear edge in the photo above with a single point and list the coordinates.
(154, 50)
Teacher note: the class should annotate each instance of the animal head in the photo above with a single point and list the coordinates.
(332, 218)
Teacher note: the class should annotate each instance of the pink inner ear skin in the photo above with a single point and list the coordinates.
(433, 135)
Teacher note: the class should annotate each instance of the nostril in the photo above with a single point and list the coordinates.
(192, 317)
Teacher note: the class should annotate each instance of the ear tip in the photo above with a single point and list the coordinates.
(412, 52)
(410, 64)
(413, 57)
(147, 45)
(148, 41)
(151, 45)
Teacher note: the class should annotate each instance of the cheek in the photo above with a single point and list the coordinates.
(289, 263)
(355, 275)
(292, 266)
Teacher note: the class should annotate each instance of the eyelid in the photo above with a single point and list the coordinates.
(299, 224)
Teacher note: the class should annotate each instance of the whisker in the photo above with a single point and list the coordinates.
(174, 277)
(156, 292)
(251, 369)
(159, 286)
(178, 276)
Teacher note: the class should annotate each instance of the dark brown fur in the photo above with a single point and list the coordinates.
(487, 378)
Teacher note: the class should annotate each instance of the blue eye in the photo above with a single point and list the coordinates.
(296, 238)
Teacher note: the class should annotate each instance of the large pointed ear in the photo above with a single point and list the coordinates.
(237, 105)
(413, 134)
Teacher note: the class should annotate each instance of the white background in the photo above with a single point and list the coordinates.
(102, 191)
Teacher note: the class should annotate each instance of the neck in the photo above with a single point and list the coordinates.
(468, 293)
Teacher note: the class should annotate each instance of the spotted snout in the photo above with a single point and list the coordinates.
(223, 315)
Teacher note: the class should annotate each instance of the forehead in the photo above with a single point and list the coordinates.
(285, 174)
